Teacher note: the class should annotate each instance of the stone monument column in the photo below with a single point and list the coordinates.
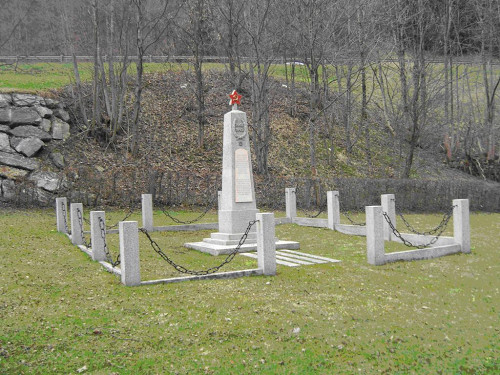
(237, 206)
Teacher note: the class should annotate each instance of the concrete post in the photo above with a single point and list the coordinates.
(147, 212)
(461, 224)
(332, 198)
(374, 237)
(97, 235)
(76, 228)
(290, 203)
(129, 253)
(388, 205)
(62, 214)
(266, 243)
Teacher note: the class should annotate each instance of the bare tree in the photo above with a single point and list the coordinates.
(195, 37)
(261, 36)
(12, 18)
(151, 23)
(314, 22)
(227, 20)
(488, 13)
(410, 32)
(70, 46)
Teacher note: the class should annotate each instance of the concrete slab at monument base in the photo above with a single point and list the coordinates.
(229, 239)
(217, 249)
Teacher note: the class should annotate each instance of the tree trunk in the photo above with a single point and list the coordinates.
(76, 72)
(134, 147)
(95, 82)
(313, 115)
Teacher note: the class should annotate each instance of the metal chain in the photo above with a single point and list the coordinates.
(321, 210)
(65, 215)
(346, 214)
(404, 240)
(208, 271)
(127, 215)
(443, 223)
(102, 227)
(208, 208)
(80, 222)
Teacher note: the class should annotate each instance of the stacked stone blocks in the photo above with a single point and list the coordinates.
(27, 123)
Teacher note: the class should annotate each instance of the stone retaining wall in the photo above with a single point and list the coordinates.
(28, 123)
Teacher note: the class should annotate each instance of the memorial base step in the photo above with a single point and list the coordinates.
(215, 249)
(230, 238)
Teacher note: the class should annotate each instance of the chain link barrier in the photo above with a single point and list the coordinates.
(127, 215)
(438, 228)
(322, 208)
(408, 243)
(348, 216)
(80, 223)
(174, 219)
(109, 258)
(208, 271)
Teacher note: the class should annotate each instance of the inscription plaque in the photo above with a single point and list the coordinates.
(242, 178)
(239, 129)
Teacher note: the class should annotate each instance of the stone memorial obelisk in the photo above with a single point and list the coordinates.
(237, 206)
(237, 203)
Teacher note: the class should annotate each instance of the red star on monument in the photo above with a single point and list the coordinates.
(235, 98)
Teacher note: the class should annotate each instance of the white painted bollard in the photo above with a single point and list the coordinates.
(98, 235)
(290, 203)
(374, 236)
(129, 253)
(266, 243)
(461, 224)
(62, 214)
(76, 223)
(388, 202)
(147, 212)
(332, 199)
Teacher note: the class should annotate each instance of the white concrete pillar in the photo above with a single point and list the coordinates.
(374, 236)
(76, 226)
(388, 202)
(62, 214)
(98, 235)
(147, 212)
(461, 224)
(129, 253)
(290, 203)
(266, 243)
(332, 199)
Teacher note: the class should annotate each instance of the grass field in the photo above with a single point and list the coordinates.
(41, 77)
(62, 313)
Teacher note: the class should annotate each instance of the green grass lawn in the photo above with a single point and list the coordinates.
(62, 313)
(41, 77)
